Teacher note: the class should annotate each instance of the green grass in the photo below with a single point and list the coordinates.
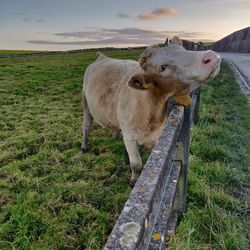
(18, 52)
(217, 215)
(52, 196)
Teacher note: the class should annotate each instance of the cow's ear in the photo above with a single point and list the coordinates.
(141, 82)
(146, 54)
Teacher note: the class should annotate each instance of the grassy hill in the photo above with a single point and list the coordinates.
(52, 196)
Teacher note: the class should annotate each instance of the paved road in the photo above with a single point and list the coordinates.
(241, 61)
(240, 64)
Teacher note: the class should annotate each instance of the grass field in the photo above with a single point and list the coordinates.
(52, 196)
(217, 216)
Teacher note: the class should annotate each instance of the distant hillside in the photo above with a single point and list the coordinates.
(4, 52)
(239, 41)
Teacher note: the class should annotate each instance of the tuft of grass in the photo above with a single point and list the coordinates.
(217, 215)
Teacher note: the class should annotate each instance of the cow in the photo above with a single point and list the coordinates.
(131, 96)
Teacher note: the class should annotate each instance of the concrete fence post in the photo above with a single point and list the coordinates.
(181, 160)
(195, 112)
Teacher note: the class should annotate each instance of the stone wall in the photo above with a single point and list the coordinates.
(239, 41)
(190, 45)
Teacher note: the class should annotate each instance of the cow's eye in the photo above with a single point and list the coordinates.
(163, 67)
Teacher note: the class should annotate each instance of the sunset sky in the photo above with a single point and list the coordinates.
(76, 24)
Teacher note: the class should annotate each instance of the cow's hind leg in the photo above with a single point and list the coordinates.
(118, 135)
(134, 159)
(87, 122)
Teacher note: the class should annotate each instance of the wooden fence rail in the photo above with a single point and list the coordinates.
(152, 208)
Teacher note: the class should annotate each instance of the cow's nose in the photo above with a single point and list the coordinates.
(211, 59)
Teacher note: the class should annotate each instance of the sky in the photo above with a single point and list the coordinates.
(79, 24)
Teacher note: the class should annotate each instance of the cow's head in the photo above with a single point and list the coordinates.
(173, 63)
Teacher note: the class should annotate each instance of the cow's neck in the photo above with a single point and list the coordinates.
(159, 96)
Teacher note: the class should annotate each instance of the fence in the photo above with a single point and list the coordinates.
(151, 212)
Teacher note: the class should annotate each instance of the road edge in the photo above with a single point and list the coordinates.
(240, 78)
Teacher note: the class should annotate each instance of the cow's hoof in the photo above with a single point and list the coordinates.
(118, 136)
(132, 183)
(84, 149)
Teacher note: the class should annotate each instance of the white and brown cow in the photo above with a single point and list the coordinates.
(131, 96)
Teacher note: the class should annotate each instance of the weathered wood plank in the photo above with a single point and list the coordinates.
(160, 228)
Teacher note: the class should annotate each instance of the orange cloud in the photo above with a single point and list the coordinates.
(158, 14)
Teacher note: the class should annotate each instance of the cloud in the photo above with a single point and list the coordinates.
(158, 13)
(117, 37)
(122, 15)
(18, 13)
(109, 41)
(26, 19)
(124, 33)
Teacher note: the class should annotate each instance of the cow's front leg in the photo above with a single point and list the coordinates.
(134, 159)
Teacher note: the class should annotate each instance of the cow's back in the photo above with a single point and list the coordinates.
(103, 82)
